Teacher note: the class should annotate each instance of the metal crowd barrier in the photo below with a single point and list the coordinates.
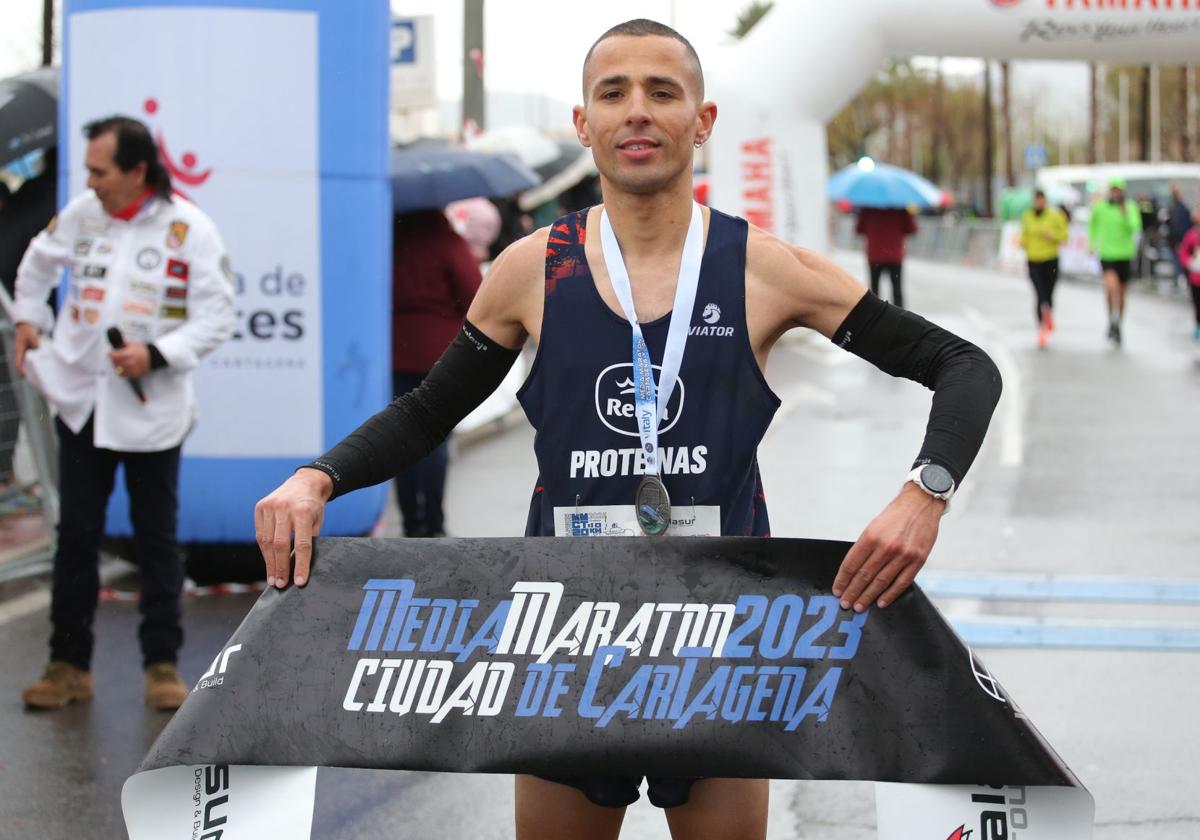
(29, 511)
(995, 244)
(975, 242)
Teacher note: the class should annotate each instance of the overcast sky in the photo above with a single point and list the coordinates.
(533, 46)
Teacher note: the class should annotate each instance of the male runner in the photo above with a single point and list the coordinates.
(643, 112)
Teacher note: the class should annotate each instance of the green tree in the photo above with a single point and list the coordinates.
(750, 17)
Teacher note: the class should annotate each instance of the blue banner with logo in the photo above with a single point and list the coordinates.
(676, 657)
(272, 117)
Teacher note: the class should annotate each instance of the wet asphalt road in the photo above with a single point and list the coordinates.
(1090, 473)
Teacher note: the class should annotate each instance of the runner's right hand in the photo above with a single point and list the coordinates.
(296, 507)
(25, 337)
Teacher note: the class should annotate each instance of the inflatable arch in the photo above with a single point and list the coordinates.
(777, 88)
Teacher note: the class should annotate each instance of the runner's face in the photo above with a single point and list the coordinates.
(115, 189)
(643, 112)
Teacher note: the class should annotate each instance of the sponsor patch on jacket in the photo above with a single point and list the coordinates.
(93, 293)
(96, 272)
(93, 227)
(91, 316)
(177, 269)
(136, 329)
(75, 313)
(175, 312)
(177, 234)
(83, 247)
(104, 247)
(149, 258)
(138, 307)
(176, 292)
(143, 289)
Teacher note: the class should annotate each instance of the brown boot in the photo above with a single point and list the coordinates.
(165, 691)
(62, 683)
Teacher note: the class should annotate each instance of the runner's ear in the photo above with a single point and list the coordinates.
(579, 118)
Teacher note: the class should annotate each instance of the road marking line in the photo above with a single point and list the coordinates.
(1046, 588)
(23, 605)
(1012, 450)
(1034, 633)
(31, 602)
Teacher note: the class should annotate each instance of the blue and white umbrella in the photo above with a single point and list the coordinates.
(871, 184)
(427, 177)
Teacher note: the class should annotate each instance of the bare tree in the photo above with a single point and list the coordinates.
(1093, 116)
(988, 131)
(1181, 113)
(1144, 115)
(1006, 108)
(937, 127)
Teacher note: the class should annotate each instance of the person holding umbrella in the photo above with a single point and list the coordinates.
(885, 230)
(887, 197)
(434, 279)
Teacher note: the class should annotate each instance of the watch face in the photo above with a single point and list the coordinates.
(937, 479)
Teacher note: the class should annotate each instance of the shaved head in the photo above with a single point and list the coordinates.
(641, 27)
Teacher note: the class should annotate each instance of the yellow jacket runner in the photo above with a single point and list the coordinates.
(1042, 233)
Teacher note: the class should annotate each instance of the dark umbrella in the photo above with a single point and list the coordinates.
(429, 177)
(569, 151)
(28, 113)
(573, 164)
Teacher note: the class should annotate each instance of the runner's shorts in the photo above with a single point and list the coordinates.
(619, 791)
(1120, 267)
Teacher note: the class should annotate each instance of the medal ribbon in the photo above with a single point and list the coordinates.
(650, 402)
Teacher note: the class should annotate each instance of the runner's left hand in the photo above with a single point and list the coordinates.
(890, 552)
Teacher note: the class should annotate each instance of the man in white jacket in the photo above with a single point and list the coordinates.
(151, 265)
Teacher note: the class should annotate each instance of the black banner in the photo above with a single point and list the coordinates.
(668, 657)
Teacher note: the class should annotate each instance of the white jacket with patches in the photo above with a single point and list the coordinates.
(163, 278)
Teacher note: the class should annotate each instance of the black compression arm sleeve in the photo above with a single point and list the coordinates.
(412, 426)
(965, 382)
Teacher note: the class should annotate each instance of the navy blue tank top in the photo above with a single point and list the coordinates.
(579, 398)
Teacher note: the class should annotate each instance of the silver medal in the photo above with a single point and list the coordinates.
(653, 506)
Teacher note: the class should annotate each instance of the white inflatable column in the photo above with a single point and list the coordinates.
(775, 90)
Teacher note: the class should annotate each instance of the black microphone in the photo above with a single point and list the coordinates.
(118, 341)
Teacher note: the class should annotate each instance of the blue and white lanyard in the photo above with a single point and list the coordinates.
(650, 403)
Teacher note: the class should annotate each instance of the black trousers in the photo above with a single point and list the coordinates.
(894, 273)
(1044, 275)
(1196, 301)
(86, 476)
(10, 416)
(421, 488)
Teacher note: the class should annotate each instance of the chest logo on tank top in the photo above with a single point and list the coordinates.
(711, 316)
(615, 405)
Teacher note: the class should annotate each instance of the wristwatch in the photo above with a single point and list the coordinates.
(934, 480)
